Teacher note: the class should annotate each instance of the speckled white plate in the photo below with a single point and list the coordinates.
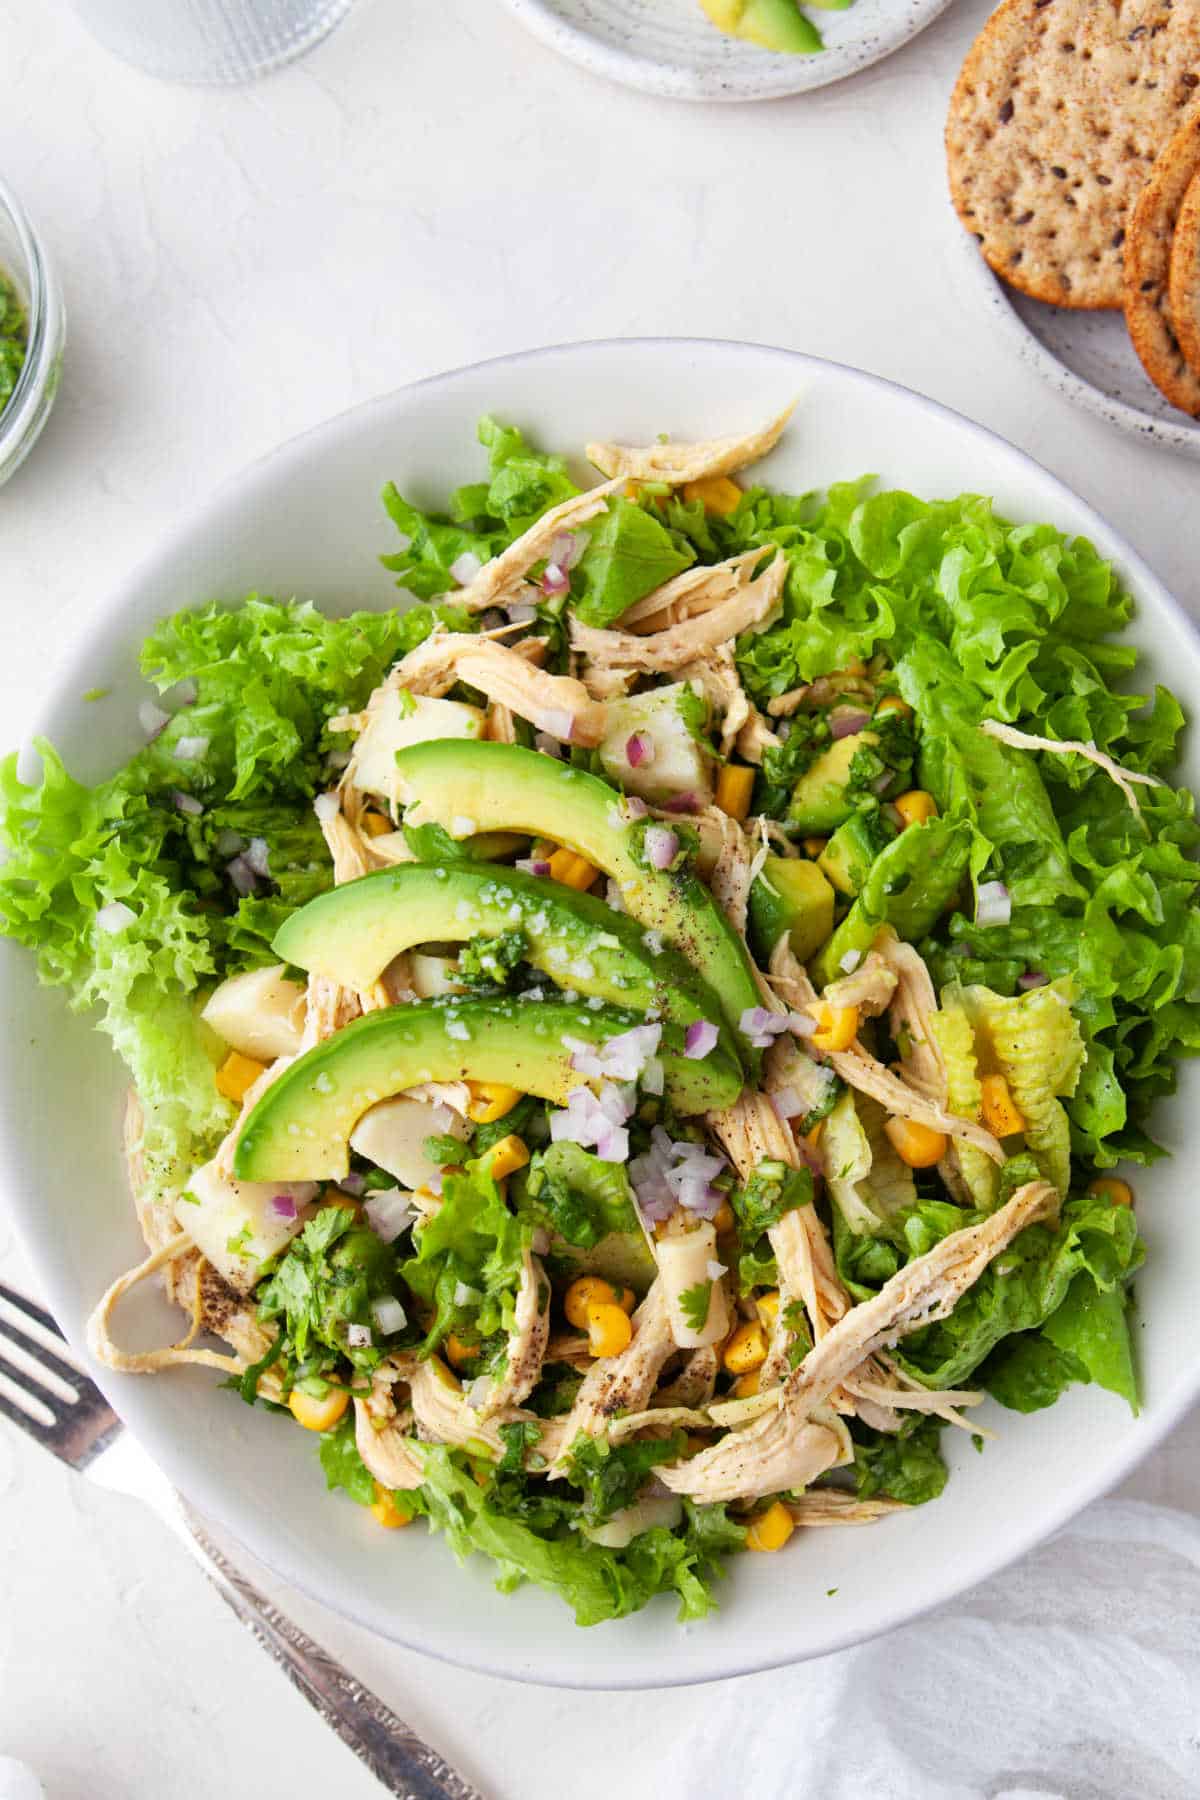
(669, 47)
(1089, 357)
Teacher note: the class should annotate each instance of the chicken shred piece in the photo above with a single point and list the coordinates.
(693, 1386)
(501, 579)
(695, 592)
(767, 1456)
(1023, 740)
(913, 1004)
(678, 463)
(384, 1439)
(508, 677)
(836, 1506)
(870, 987)
(527, 1342)
(715, 675)
(755, 737)
(732, 876)
(820, 692)
(606, 651)
(623, 1383)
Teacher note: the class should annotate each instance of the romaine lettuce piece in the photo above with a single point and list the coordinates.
(1040, 1051)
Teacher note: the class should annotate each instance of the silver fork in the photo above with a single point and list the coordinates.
(46, 1395)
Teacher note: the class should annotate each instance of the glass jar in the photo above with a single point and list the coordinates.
(24, 263)
(209, 40)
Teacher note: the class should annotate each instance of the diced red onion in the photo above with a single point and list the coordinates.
(283, 1206)
(244, 880)
(662, 846)
(700, 1037)
(846, 724)
(639, 749)
(186, 803)
(681, 803)
(559, 723)
(635, 807)
(613, 1145)
(801, 1024)
(760, 1021)
(152, 719)
(1032, 978)
(388, 1213)
(555, 580)
(258, 857)
(388, 1314)
(353, 1184)
(568, 547)
(186, 692)
(115, 917)
(358, 1337)
(465, 568)
(850, 961)
(586, 1120)
(521, 612)
(191, 749)
(993, 905)
(787, 1103)
(533, 865)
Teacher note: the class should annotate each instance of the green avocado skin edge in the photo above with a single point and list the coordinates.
(300, 1128)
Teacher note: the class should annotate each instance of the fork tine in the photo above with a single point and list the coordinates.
(39, 1353)
(30, 1309)
(27, 1421)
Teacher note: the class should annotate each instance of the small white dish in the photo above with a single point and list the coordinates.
(669, 47)
(307, 521)
(1089, 357)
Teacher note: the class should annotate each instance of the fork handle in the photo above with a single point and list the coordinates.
(407, 1767)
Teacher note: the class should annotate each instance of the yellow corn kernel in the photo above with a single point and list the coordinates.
(723, 1218)
(375, 825)
(1001, 1114)
(444, 1375)
(237, 1074)
(813, 846)
(735, 784)
(585, 1291)
(768, 1307)
(837, 1027)
(812, 1138)
(632, 490)
(572, 870)
(857, 667)
(543, 849)
(892, 703)
(490, 1100)
(459, 1351)
(718, 494)
(1112, 1188)
(628, 1300)
(318, 1415)
(746, 1386)
(745, 1348)
(386, 1512)
(916, 806)
(506, 1157)
(609, 1330)
(917, 1145)
(772, 1529)
(343, 1202)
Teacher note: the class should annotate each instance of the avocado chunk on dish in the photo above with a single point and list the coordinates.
(300, 1128)
(774, 24)
(471, 787)
(847, 857)
(821, 799)
(909, 886)
(351, 933)
(790, 895)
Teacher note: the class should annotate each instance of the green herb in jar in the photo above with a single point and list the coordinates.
(14, 338)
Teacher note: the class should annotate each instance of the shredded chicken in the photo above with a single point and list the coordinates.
(624, 1383)
(755, 737)
(731, 878)
(836, 1506)
(677, 463)
(501, 579)
(913, 1005)
(870, 987)
(527, 1341)
(697, 591)
(694, 1384)
(826, 688)
(715, 676)
(785, 1443)
(384, 1438)
(557, 704)
(1124, 778)
(669, 650)
(445, 1416)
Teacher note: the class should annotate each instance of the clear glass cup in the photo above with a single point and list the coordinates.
(209, 40)
(24, 262)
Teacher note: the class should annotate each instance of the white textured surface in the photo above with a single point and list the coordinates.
(431, 187)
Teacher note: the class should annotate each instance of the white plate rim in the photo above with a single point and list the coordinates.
(1167, 434)
(675, 81)
(201, 1482)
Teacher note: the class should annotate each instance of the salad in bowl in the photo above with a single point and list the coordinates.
(633, 1044)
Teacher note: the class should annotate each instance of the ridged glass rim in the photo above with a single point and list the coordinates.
(28, 405)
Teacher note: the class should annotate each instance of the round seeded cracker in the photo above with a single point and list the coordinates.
(1148, 249)
(1057, 117)
(1184, 286)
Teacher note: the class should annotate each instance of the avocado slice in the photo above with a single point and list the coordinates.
(471, 787)
(303, 1121)
(847, 857)
(820, 800)
(775, 24)
(790, 895)
(908, 887)
(351, 933)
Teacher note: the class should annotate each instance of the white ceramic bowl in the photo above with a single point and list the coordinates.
(307, 521)
(669, 47)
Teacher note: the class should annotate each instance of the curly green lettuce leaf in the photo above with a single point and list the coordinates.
(611, 1476)
(1039, 1049)
(629, 554)
(469, 1257)
(773, 1190)
(867, 1181)
(904, 1465)
(954, 1035)
(344, 1467)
